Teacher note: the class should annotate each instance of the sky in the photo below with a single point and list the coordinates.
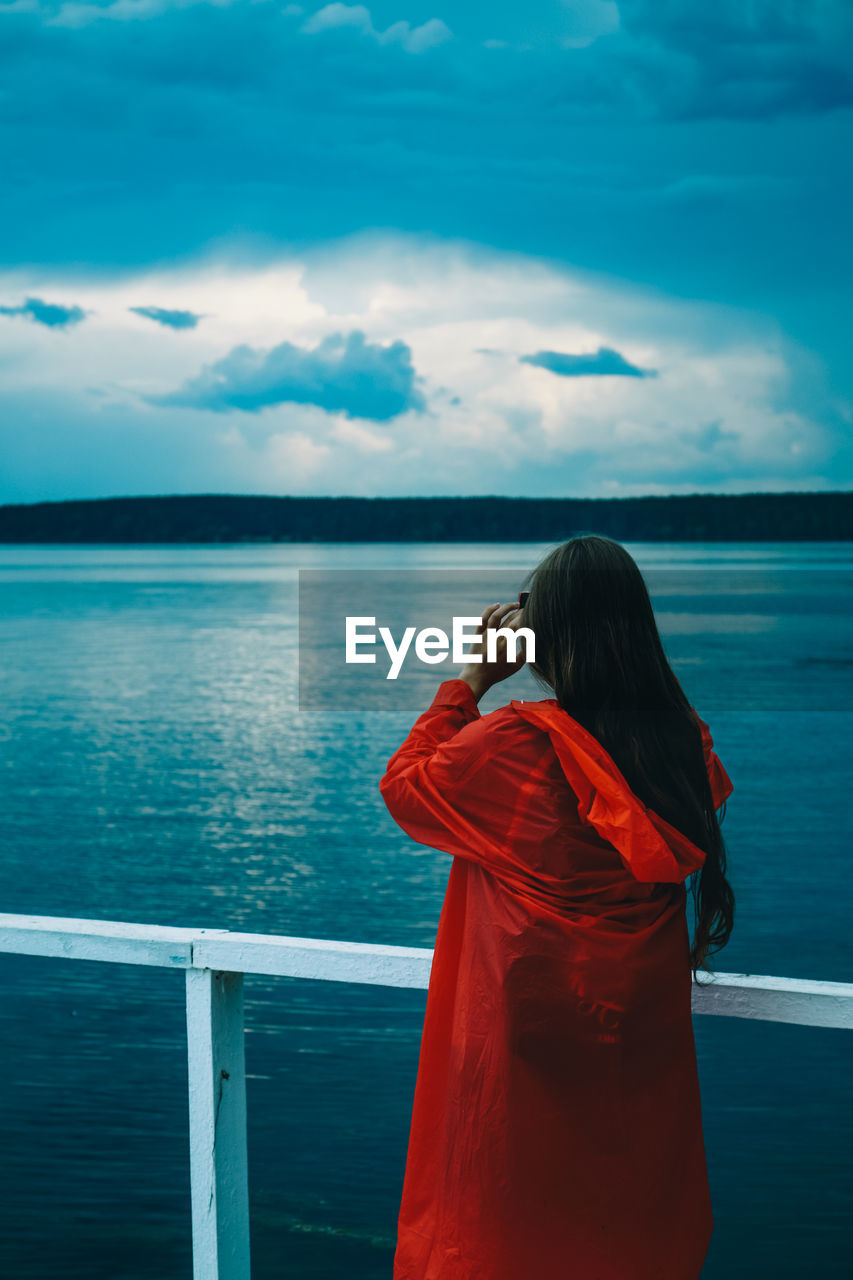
(565, 248)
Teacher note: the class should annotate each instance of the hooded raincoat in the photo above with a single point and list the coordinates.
(556, 1128)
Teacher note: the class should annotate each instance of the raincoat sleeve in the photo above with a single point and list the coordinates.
(437, 790)
(721, 784)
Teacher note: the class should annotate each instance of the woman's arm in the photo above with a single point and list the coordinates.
(432, 786)
(427, 774)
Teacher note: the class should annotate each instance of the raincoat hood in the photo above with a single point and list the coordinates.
(649, 846)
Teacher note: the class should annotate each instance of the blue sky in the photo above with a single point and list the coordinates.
(569, 247)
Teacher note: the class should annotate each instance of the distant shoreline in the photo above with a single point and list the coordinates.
(237, 518)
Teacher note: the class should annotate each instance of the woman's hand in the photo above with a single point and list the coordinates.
(480, 676)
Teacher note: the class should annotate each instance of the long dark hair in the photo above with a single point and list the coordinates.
(598, 648)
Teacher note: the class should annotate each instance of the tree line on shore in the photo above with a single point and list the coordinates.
(188, 518)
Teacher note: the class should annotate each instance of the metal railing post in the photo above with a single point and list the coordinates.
(217, 1105)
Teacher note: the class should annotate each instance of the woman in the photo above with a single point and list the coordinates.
(556, 1128)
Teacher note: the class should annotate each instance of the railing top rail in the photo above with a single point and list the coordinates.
(803, 1000)
(174, 947)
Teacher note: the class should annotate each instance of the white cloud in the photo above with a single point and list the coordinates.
(723, 413)
(289, 460)
(413, 39)
(362, 438)
(74, 14)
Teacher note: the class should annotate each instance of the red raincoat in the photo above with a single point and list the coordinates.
(556, 1127)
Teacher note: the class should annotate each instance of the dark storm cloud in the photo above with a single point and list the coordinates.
(156, 135)
(170, 319)
(746, 59)
(51, 314)
(358, 378)
(603, 363)
(699, 149)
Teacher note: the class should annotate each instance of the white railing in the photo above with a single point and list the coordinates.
(215, 961)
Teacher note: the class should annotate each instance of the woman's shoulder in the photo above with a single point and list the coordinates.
(510, 711)
(515, 750)
(508, 723)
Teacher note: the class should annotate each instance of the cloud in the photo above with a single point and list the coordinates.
(736, 406)
(627, 156)
(745, 59)
(698, 150)
(603, 363)
(75, 14)
(413, 39)
(81, 15)
(170, 319)
(51, 314)
(352, 376)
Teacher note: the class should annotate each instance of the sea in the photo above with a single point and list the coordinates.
(158, 766)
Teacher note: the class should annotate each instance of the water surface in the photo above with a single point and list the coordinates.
(156, 767)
